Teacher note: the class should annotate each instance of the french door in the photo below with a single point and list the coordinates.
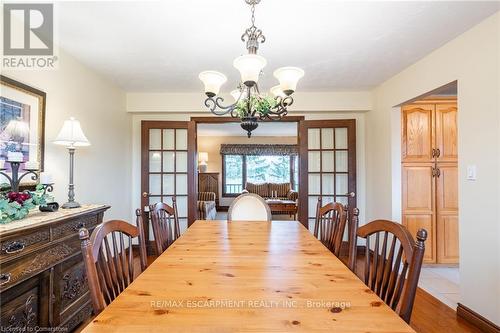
(327, 165)
(167, 166)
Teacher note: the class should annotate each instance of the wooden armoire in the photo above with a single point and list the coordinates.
(430, 176)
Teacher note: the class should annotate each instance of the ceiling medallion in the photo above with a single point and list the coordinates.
(250, 105)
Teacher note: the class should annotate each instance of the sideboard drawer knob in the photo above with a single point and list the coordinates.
(14, 247)
(4, 278)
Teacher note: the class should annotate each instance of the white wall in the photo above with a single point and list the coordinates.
(472, 59)
(103, 170)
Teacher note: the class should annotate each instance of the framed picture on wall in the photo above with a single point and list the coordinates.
(22, 124)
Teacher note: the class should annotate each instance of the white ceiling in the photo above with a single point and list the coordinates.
(234, 129)
(163, 45)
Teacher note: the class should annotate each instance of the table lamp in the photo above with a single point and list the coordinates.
(71, 136)
(203, 158)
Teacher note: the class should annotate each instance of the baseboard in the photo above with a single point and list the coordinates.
(476, 319)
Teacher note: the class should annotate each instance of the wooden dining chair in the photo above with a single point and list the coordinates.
(392, 272)
(330, 225)
(109, 258)
(249, 207)
(165, 223)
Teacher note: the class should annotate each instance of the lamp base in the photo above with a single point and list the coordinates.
(72, 204)
(203, 168)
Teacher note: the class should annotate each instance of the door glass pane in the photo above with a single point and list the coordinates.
(327, 161)
(313, 201)
(181, 184)
(182, 206)
(314, 161)
(155, 184)
(327, 138)
(327, 183)
(181, 139)
(341, 184)
(154, 161)
(341, 138)
(168, 139)
(168, 161)
(181, 162)
(342, 200)
(313, 138)
(341, 161)
(168, 184)
(153, 200)
(314, 183)
(327, 200)
(154, 139)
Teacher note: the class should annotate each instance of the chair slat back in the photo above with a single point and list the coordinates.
(165, 222)
(330, 225)
(392, 263)
(109, 258)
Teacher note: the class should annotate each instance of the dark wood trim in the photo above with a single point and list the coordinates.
(476, 319)
(192, 173)
(223, 208)
(215, 119)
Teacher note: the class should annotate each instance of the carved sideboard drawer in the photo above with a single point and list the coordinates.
(71, 228)
(23, 243)
(16, 271)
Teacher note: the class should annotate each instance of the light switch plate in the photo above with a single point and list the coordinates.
(471, 172)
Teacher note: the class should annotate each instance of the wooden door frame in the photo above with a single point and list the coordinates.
(193, 152)
(304, 125)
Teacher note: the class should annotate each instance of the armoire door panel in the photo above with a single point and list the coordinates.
(418, 188)
(447, 239)
(414, 222)
(446, 132)
(447, 213)
(417, 133)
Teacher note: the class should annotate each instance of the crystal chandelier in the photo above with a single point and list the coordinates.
(249, 104)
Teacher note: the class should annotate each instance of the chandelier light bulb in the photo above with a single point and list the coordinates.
(277, 92)
(249, 66)
(235, 94)
(213, 81)
(288, 77)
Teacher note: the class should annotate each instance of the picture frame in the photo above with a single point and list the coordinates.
(23, 108)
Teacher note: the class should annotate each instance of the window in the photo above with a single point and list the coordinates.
(238, 169)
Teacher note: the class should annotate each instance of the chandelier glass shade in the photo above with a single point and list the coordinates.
(250, 105)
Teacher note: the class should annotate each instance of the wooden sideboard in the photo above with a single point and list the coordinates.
(42, 274)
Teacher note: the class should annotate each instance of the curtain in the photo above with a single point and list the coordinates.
(259, 149)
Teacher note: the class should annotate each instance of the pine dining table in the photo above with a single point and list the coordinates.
(247, 276)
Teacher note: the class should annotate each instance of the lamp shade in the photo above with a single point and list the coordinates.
(288, 77)
(213, 81)
(203, 157)
(235, 94)
(277, 92)
(17, 130)
(71, 134)
(249, 66)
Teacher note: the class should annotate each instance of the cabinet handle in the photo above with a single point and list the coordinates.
(4, 278)
(433, 172)
(14, 247)
(438, 152)
(438, 172)
(433, 152)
